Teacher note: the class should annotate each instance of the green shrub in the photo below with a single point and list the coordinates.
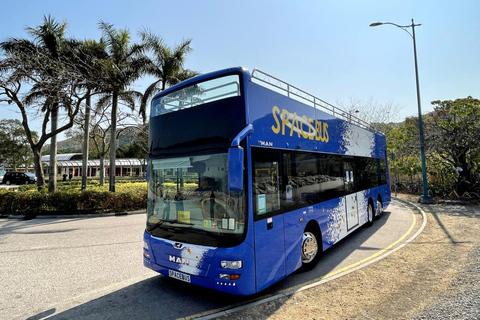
(63, 202)
(129, 195)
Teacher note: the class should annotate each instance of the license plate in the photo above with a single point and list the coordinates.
(179, 276)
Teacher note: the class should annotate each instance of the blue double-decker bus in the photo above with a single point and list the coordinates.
(251, 179)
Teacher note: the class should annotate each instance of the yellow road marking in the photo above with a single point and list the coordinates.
(373, 256)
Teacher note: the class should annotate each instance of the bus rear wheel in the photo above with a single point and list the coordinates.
(370, 214)
(310, 250)
(379, 208)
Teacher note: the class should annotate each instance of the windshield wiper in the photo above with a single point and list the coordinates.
(162, 222)
(157, 225)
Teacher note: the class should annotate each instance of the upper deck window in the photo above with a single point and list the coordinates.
(197, 94)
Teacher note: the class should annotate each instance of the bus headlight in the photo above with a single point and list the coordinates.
(145, 250)
(231, 264)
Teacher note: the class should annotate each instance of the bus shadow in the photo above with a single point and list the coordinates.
(160, 297)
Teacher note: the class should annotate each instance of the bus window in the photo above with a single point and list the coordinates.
(331, 177)
(266, 188)
(198, 94)
(302, 187)
(382, 171)
(189, 195)
(306, 178)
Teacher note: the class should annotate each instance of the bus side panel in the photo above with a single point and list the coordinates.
(295, 223)
(386, 195)
(363, 198)
(246, 284)
(332, 220)
(269, 251)
(282, 122)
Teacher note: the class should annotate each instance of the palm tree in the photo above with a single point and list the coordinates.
(166, 64)
(124, 65)
(88, 60)
(50, 37)
(43, 64)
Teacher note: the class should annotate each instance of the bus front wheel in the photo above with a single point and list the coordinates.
(310, 250)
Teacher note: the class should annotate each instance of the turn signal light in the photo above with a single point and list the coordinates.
(225, 276)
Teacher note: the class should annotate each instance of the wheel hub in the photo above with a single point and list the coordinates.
(309, 247)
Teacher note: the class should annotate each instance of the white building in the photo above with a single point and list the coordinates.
(72, 163)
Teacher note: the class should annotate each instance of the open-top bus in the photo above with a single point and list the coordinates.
(250, 179)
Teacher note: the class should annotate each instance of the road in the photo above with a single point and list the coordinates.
(91, 268)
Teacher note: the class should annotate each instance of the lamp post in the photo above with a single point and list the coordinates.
(425, 198)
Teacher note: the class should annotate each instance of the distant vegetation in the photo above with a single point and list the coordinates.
(452, 144)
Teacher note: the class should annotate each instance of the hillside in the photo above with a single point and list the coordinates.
(74, 145)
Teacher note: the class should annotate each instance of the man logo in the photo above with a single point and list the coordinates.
(178, 260)
(178, 245)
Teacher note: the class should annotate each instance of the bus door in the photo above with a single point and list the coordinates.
(269, 226)
(351, 202)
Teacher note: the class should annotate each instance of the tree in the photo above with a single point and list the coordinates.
(99, 136)
(378, 115)
(90, 58)
(403, 142)
(138, 148)
(166, 64)
(124, 65)
(50, 39)
(43, 66)
(454, 135)
(14, 149)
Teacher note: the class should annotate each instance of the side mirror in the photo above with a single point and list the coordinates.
(235, 169)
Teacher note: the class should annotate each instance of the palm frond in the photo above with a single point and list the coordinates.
(104, 101)
(146, 97)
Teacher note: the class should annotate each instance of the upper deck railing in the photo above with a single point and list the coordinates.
(302, 96)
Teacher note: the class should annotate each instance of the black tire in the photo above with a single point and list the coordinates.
(311, 250)
(8, 182)
(370, 214)
(379, 210)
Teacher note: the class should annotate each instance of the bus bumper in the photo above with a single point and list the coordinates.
(245, 285)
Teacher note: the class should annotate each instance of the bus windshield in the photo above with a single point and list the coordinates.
(198, 94)
(189, 201)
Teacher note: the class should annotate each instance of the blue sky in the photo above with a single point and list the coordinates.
(323, 47)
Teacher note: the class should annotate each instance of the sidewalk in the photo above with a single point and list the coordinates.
(437, 276)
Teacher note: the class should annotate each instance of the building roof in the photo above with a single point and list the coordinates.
(64, 156)
(75, 160)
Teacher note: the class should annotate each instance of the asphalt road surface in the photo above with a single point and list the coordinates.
(91, 268)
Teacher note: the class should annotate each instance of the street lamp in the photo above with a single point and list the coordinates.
(425, 198)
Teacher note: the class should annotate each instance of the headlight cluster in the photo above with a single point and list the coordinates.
(145, 250)
(231, 264)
